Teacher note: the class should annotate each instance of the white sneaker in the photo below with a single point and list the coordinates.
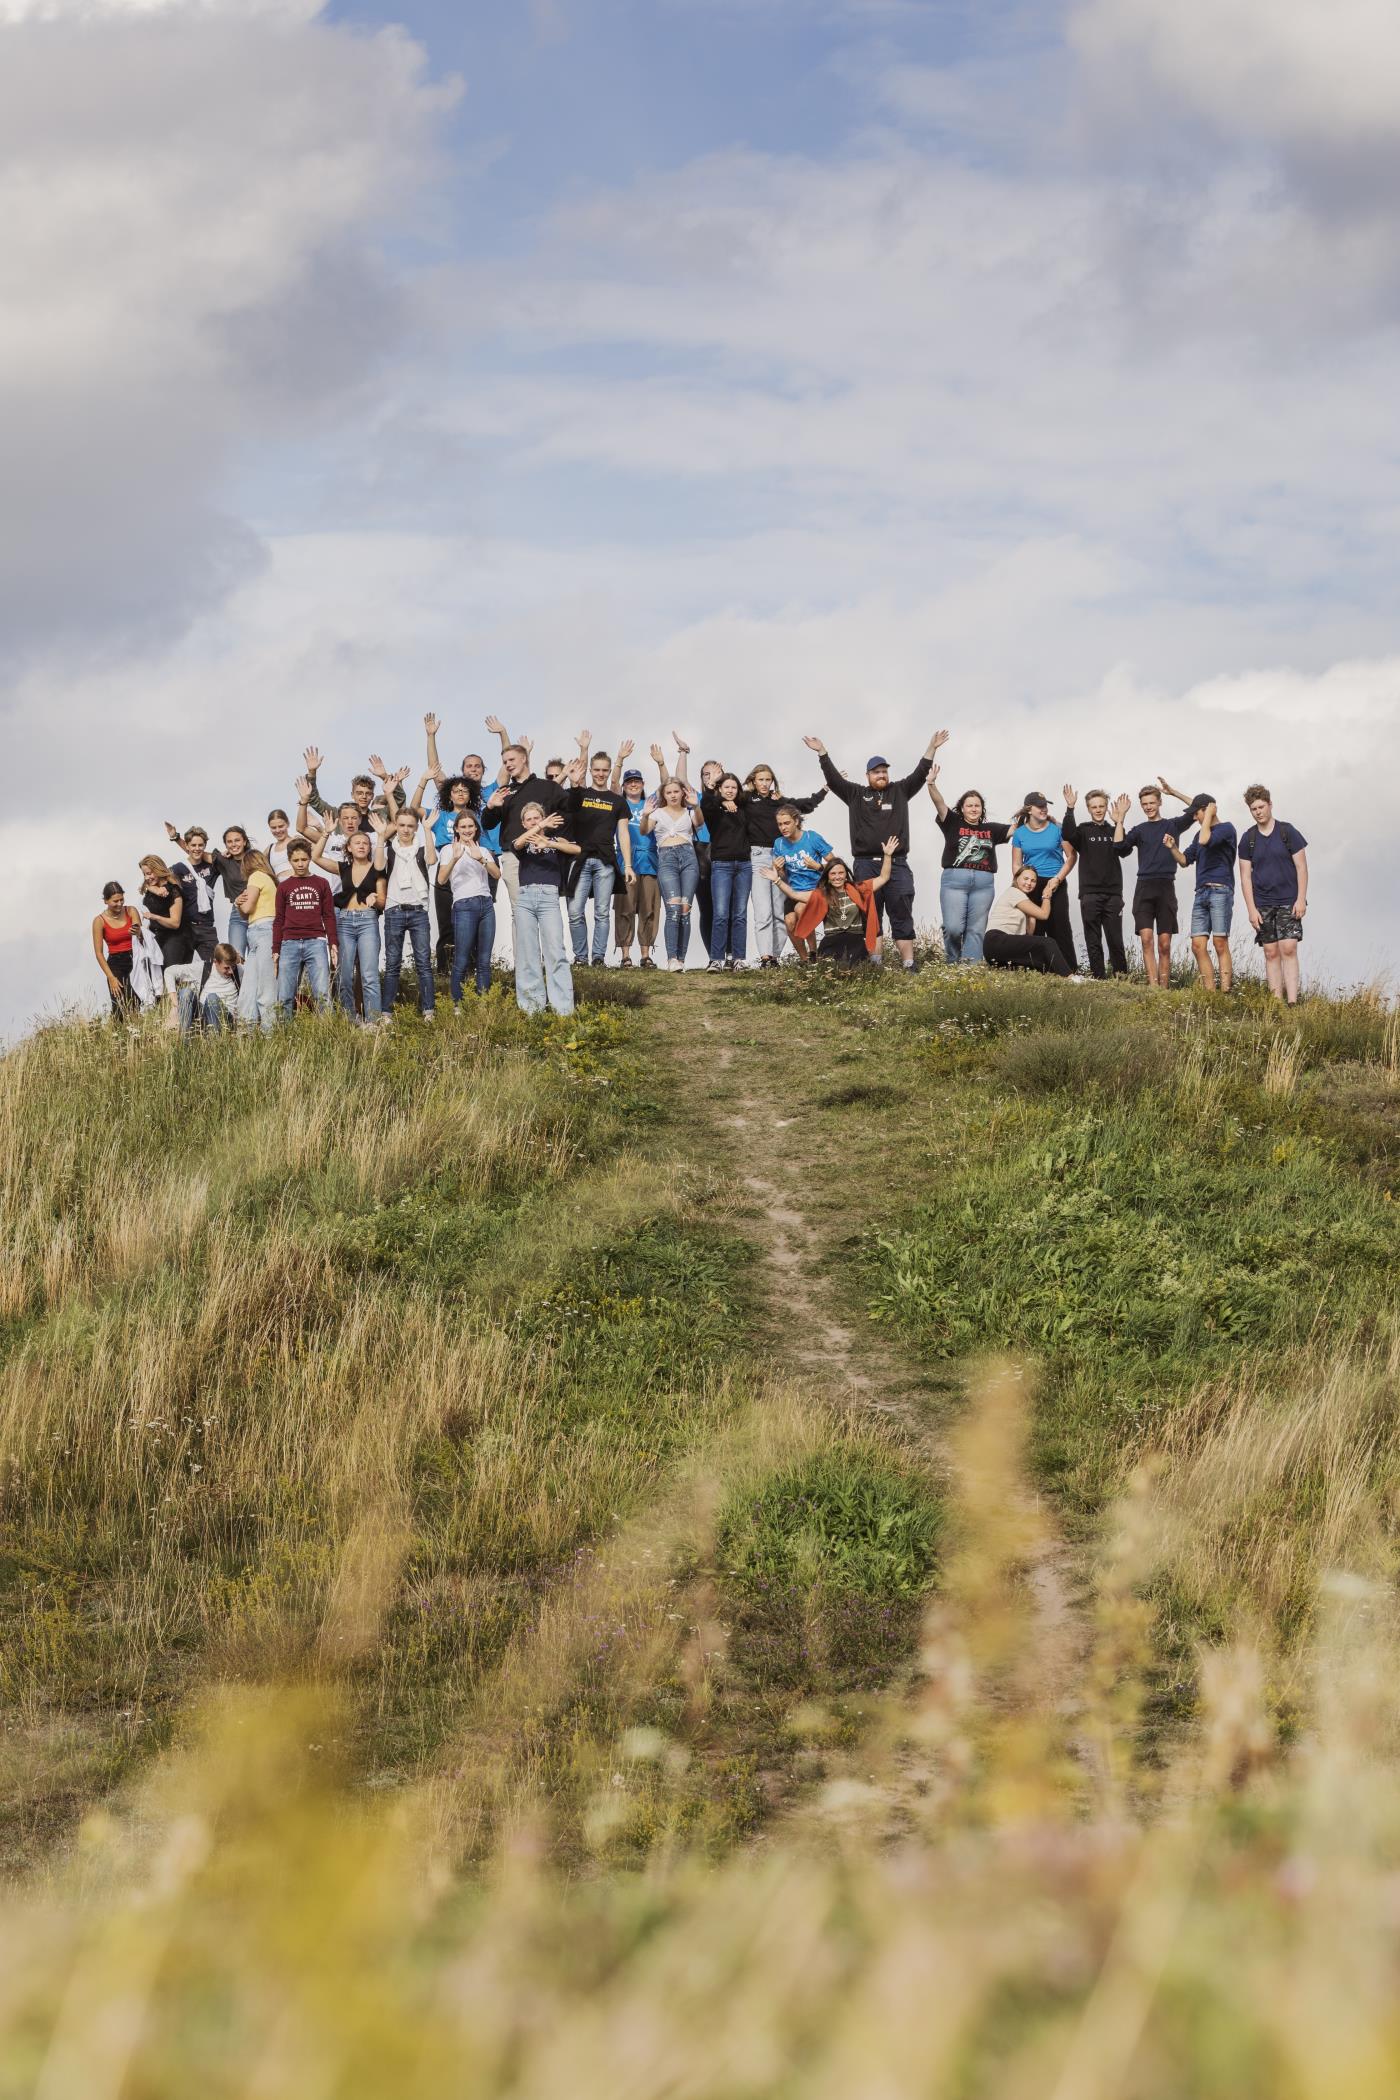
(1076, 977)
(675, 963)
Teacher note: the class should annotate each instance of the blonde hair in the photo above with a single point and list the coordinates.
(754, 772)
(255, 863)
(155, 870)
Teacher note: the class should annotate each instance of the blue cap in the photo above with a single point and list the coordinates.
(872, 763)
(632, 774)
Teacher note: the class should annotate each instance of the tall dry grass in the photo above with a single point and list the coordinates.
(985, 1903)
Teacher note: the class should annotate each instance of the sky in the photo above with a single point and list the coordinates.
(750, 368)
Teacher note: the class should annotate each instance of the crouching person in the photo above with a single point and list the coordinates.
(213, 1003)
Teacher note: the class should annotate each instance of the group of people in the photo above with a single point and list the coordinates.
(338, 891)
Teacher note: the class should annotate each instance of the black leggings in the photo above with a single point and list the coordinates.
(1025, 951)
(123, 999)
(1057, 926)
(1101, 914)
(848, 947)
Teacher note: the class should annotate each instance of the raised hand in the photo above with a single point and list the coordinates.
(303, 788)
(680, 743)
(1070, 794)
(376, 766)
(814, 743)
(658, 755)
(311, 759)
(626, 748)
(933, 773)
(397, 779)
(1209, 814)
(171, 832)
(1121, 806)
(431, 724)
(940, 738)
(527, 745)
(496, 726)
(553, 821)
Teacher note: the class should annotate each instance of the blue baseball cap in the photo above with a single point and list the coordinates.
(872, 763)
(631, 774)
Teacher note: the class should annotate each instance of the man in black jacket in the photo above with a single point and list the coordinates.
(1101, 858)
(880, 810)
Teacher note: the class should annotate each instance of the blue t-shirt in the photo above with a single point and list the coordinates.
(1215, 862)
(440, 827)
(1041, 850)
(643, 842)
(1155, 864)
(787, 859)
(1275, 877)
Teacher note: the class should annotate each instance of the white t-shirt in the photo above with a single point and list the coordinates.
(468, 878)
(1006, 915)
(217, 986)
(408, 885)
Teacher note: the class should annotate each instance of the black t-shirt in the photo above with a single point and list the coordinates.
(532, 789)
(592, 816)
(761, 813)
(730, 838)
(972, 847)
(542, 867)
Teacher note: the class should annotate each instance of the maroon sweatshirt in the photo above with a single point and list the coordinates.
(305, 911)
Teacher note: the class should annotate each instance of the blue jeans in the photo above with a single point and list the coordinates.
(1212, 909)
(769, 904)
(965, 898)
(408, 921)
(358, 935)
(678, 872)
(730, 883)
(473, 938)
(542, 973)
(214, 1014)
(596, 879)
(238, 930)
(312, 957)
(257, 997)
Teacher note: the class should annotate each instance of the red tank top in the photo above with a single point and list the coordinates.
(117, 938)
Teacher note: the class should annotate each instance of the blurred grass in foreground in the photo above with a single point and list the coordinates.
(996, 1901)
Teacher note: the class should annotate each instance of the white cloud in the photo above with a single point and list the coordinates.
(189, 206)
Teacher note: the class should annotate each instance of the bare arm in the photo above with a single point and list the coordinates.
(624, 752)
(877, 882)
(658, 759)
(624, 847)
(682, 757)
(1300, 862)
(432, 725)
(1167, 789)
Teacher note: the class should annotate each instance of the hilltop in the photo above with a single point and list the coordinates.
(699, 1475)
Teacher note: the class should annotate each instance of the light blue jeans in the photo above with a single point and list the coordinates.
(542, 973)
(357, 933)
(678, 873)
(311, 957)
(257, 996)
(596, 879)
(213, 1014)
(965, 898)
(769, 932)
(238, 930)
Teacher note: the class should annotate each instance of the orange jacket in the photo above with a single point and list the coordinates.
(813, 912)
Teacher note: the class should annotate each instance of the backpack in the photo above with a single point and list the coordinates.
(420, 856)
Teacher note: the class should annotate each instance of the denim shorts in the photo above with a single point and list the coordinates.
(1212, 909)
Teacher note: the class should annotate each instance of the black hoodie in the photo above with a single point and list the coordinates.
(877, 813)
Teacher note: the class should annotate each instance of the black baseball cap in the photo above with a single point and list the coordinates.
(1033, 799)
(1198, 803)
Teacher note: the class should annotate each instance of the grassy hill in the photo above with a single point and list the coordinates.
(782, 1536)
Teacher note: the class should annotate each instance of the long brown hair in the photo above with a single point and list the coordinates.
(762, 767)
(255, 863)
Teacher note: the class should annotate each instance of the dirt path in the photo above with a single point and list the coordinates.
(757, 1085)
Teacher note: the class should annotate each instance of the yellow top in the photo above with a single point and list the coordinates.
(266, 905)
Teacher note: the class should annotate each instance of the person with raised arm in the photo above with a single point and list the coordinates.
(408, 866)
(517, 786)
(464, 871)
(303, 933)
(968, 880)
(846, 910)
(1038, 843)
(1212, 853)
(598, 820)
(542, 974)
(761, 800)
(671, 823)
(362, 788)
(637, 904)
(472, 768)
(1274, 878)
(359, 882)
(1101, 851)
(710, 772)
(799, 860)
(880, 809)
(1154, 892)
(731, 870)
(226, 868)
(1012, 941)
